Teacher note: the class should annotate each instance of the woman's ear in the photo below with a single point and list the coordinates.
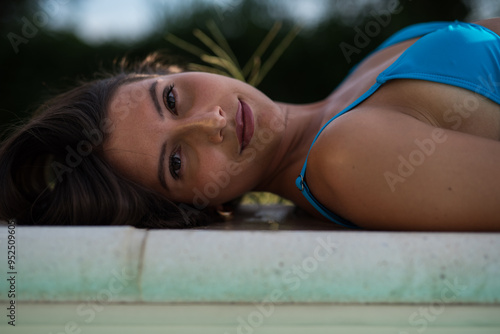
(225, 211)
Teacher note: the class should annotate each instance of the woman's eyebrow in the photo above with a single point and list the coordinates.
(154, 97)
(161, 166)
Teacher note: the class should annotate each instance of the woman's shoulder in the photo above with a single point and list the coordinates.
(354, 166)
(344, 161)
(381, 168)
(493, 24)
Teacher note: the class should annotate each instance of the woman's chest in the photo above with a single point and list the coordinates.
(440, 105)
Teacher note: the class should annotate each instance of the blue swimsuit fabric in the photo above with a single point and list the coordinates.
(460, 54)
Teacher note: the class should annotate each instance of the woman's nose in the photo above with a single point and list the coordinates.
(206, 124)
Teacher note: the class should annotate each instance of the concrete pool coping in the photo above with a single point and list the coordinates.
(125, 264)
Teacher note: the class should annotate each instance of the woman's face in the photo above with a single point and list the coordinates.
(196, 138)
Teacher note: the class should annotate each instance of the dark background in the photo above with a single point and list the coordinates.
(308, 71)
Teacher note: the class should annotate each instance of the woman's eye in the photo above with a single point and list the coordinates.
(169, 99)
(175, 164)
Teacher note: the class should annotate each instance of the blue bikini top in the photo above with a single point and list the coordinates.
(461, 54)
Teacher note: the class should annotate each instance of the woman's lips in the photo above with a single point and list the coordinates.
(244, 124)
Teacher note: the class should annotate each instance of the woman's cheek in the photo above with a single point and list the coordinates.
(216, 183)
(213, 165)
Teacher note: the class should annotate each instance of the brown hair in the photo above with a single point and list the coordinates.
(52, 171)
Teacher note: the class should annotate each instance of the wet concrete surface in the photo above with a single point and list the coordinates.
(272, 217)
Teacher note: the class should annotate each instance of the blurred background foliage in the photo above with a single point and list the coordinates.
(54, 55)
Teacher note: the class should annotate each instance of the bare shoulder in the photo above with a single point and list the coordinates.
(383, 169)
(493, 24)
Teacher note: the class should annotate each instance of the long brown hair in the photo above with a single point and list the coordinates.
(52, 171)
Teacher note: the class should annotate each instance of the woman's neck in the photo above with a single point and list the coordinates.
(302, 122)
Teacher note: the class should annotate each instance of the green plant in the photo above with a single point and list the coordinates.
(223, 61)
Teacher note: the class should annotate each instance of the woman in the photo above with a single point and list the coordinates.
(416, 147)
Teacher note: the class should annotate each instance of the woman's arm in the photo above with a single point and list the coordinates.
(386, 170)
